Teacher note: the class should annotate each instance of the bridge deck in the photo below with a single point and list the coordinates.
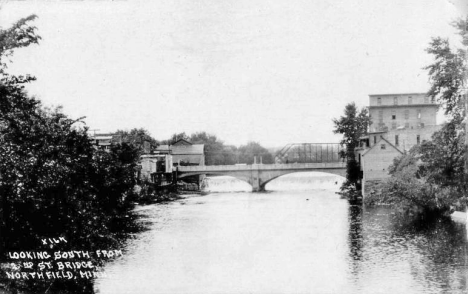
(256, 167)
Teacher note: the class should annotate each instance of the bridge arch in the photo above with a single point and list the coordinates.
(259, 175)
(259, 183)
(240, 176)
(299, 172)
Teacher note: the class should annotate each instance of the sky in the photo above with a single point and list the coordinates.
(274, 72)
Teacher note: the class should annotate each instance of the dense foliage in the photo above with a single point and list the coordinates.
(448, 73)
(218, 153)
(53, 181)
(138, 137)
(352, 125)
(215, 152)
(250, 150)
(430, 177)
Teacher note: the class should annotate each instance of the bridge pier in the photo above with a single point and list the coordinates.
(257, 187)
(255, 181)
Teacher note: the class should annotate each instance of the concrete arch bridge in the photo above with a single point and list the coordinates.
(258, 175)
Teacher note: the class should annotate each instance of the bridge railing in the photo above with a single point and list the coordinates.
(214, 168)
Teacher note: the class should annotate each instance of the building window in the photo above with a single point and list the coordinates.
(382, 146)
(410, 100)
(421, 125)
(395, 100)
(393, 125)
(393, 114)
(396, 140)
(418, 139)
(375, 140)
(379, 101)
(407, 114)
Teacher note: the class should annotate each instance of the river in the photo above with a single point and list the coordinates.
(299, 237)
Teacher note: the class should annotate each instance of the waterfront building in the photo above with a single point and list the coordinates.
(398, 122)
(403, 119)
(184, 153)
(161, 162)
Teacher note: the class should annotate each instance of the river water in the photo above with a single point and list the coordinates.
(298, 238)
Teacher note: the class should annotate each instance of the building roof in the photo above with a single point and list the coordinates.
(396, 94)
(182, 142)
(195, 149)
(415, 105)
(377, 144)
(99, 137)
(188, 149)
(376, 132)
(163, 148)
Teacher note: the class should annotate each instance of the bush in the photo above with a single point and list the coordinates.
(429, 179)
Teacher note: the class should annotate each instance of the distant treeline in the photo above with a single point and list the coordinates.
(216, 152)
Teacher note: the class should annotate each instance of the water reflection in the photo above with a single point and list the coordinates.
(287, 242)
(410, 257)
(355, 235)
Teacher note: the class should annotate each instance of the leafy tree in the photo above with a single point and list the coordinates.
(137, 137)
(430, 177)
(214, 148)
(252, 149)
(20, 34)
(176, 137)
(443, 157)
(230, 154)
(448, 72)
(352, 126)
(53, 182)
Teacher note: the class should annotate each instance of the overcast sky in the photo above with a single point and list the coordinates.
(275, 72)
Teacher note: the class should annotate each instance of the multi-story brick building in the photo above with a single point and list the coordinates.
(398, 122)
(403, 119)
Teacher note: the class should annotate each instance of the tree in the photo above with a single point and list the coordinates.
(53, 182)
(429, 179)
(137, 137)
(214, 148)
(176, 137)
(21, 34)
(50, 170)
(254, 149)
(443, 157)
(352, 126)
(230, 154)
(448, 73)
(432, 175)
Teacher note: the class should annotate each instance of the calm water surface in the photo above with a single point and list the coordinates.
(290, 241)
